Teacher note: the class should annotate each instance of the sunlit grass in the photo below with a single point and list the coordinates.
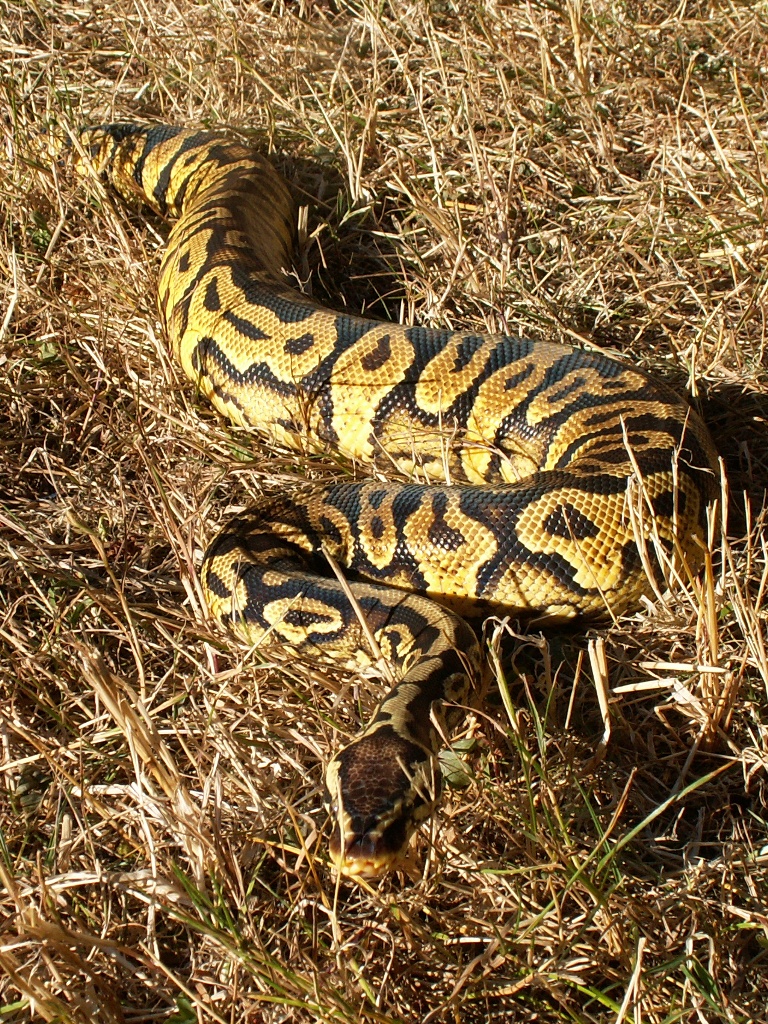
(589, 172)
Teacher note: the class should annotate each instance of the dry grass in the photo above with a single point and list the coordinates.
(570, 169)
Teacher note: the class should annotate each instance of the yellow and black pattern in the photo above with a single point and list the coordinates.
(531, 471)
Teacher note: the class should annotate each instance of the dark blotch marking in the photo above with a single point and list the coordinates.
(244, 327)
(377, 527)
(575, 385)
(466, 349)
(517, 378)
(216, 584)
(430, 688)
(297, 346)
(440, 533)
(207, 352)
(330, 530)
(155, 137)
(407, 501)
(184, 263)
(211, 301)
(664, 504)
(566, 521)
(376, 359)
(304, 619)
(152, 137)
(444, 537)
(347, 499)
(630, 557)
(349, 330)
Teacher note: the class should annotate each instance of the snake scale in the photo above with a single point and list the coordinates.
(532, 478)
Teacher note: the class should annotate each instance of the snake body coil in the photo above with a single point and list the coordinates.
(546, 470)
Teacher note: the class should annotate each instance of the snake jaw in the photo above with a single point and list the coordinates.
(367, 855)
(377, 851)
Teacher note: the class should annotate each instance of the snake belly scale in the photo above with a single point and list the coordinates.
(534, 459)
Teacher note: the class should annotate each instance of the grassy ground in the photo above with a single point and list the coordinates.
(571, 170)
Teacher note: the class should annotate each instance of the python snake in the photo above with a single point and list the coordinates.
(533, 478)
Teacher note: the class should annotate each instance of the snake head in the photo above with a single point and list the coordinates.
(380, 787)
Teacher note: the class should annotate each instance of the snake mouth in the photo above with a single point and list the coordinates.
(369, 852)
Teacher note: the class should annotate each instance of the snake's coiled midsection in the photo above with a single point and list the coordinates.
(536, 479)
